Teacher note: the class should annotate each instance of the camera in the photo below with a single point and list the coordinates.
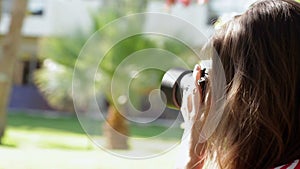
(174, 83)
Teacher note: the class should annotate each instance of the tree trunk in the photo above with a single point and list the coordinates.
(10, 47)
(116, 130)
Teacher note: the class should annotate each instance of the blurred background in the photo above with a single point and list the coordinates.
(40, 43)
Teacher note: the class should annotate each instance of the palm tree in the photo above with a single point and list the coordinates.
(55, 77)
(10, 48)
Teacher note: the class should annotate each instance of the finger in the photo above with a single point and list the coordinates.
(197, 73)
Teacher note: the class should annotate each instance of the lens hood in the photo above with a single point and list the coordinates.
(171, 86)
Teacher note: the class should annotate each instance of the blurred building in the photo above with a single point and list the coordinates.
(44, 18)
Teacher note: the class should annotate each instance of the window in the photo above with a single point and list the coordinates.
(35, 7)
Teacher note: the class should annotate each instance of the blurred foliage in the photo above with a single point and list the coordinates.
(59, 55)
(55, 77)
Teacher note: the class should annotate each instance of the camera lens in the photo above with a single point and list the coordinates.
(172, 86)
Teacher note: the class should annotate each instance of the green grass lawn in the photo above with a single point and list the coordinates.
(41, 132)
(59, 142)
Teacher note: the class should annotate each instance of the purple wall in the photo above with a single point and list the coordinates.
(28, 97)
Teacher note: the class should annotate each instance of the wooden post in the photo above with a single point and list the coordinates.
(0, 10)
(8, 58)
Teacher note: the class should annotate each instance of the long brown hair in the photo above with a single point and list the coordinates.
(260, 126)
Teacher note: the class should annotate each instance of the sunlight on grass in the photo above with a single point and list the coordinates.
(37, 142)
(40, 132)
(94, 159)
(45, 138)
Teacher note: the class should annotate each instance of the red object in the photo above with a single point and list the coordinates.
(185, 2)
(293, 165)
(170, 2)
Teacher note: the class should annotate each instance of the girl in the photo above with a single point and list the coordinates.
(260, 124)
